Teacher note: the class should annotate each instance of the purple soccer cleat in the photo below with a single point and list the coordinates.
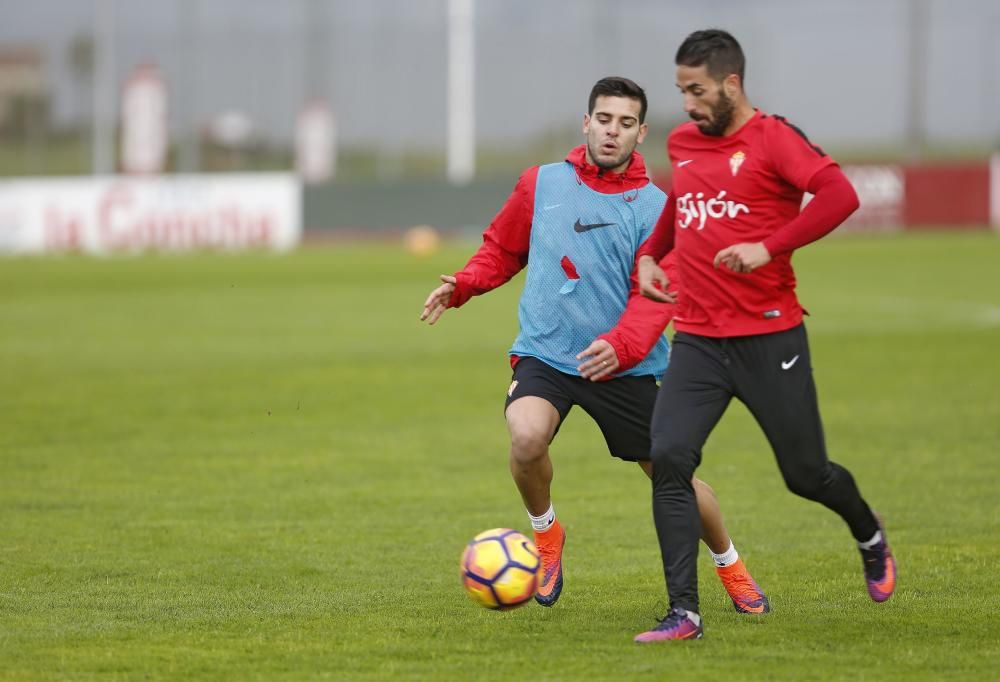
(675, 625)
(880, 568)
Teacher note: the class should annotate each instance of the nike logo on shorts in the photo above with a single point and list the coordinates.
(789, 363)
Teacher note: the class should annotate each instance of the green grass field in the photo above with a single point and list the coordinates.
(255, 466)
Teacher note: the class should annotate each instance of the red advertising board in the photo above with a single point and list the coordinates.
(952, 195)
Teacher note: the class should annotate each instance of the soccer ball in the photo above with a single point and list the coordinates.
(501, 569)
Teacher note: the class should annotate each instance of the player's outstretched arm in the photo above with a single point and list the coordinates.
(503, 253)
(437, 300)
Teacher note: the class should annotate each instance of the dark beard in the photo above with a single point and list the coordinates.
(722, 116)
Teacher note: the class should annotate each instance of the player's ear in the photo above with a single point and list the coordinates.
(586, 123)
(643, 129)
(732, 85)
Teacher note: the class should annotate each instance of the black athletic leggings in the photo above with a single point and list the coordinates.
(772, 375)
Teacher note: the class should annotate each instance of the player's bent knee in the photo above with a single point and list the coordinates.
(528, 445)
(810, 487)
(677, 458)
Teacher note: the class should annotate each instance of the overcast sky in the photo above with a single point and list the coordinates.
(841, 70)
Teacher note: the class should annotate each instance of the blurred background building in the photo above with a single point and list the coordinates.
(865, 78)
(356, 93)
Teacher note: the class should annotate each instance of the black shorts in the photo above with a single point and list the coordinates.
(622, 407)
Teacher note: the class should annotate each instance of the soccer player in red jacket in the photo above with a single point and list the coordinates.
(732, 221)
(577, 226)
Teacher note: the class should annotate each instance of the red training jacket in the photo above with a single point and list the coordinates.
(505, 251)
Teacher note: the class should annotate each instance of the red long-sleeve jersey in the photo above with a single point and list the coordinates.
(745, 187)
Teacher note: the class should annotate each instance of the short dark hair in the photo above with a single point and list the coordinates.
(714, 48)
(616, 86)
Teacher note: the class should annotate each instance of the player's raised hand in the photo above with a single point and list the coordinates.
(437, 300)
(601, 360)
(745, 257)
(653, 281)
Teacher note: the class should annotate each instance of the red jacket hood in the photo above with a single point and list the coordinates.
(605, 181)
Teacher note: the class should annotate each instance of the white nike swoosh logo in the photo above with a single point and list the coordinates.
(681, 164)
(788, 365)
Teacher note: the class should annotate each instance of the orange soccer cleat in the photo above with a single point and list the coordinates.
(743, 589)
(550, 546)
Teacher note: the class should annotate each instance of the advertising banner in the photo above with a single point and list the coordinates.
(995, 191)
(116, 214)
(881, 191)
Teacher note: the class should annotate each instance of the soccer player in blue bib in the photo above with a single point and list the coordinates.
(577, 225)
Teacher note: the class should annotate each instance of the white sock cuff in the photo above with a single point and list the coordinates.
(727, 558)
(877, 538)
(544, 522)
